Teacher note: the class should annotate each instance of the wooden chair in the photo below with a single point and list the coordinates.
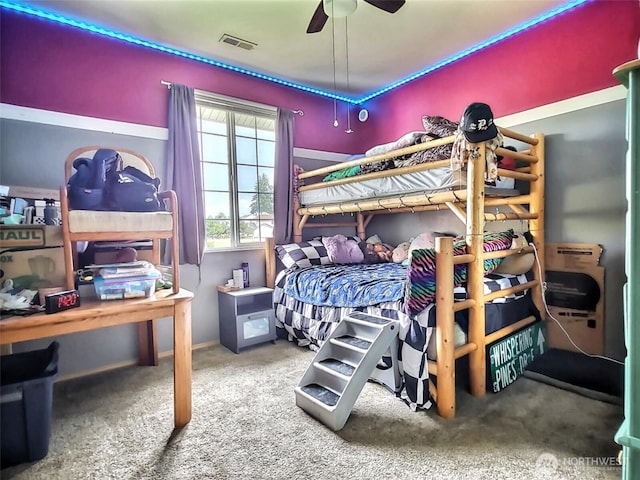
(93, 226)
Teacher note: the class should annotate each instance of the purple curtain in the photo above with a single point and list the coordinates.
(184, 173)
(283, 196)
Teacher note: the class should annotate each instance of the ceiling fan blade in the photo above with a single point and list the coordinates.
(318, 20)
(391, 6)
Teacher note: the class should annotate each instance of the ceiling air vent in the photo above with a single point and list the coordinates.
(237, 42)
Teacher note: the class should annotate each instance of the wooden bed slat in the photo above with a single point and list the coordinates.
(378, 158)
(514, 327)
(463, 304)
(510, 291)
(518, 136)
(508, 253)
(458, 352)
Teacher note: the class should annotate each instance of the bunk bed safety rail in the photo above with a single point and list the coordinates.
(377, 158)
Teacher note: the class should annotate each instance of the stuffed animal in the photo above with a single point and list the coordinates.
(517, 264)
(341, 249)
(126, 255)
(401, 252)
(374, 239)
(377, 252)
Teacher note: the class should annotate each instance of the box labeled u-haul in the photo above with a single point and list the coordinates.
(575, 296)
(32, 256)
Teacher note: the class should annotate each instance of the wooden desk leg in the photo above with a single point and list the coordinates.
(148, 343)
(182, 363)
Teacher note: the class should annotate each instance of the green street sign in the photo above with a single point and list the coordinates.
(511, 355)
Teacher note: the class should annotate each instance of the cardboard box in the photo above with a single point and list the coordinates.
(32, 255)
(575, 296)
(227, 288)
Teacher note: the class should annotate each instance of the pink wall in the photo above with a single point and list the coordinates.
(567, 56)
(52, 67)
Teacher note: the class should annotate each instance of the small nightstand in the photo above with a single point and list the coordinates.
(246, 317)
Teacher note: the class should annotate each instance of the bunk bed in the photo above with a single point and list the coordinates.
(464, 192)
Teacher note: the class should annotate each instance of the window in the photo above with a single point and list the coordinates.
(237, 151)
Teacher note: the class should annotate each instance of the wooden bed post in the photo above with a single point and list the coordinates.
(536, 225)
(445, 345)
(270, 261)
(297, 221)
(360, 228)
(475, 270)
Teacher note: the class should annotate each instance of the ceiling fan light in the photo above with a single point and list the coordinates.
(339, 8)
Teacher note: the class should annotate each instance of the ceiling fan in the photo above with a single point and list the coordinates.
(342, 8)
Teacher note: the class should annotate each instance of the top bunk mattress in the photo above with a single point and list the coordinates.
(428, 181)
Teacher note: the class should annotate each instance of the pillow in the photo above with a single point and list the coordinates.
(424, 240)
(401, 252)
(421, 277)
(408, 139)
(341, 249)
(303, 254)
(355, 238)
(517, 264)
(439, 126)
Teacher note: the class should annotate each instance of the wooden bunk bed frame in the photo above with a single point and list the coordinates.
(468, 205)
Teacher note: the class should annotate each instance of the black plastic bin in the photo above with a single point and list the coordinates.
(26, 398)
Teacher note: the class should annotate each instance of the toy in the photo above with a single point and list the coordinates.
(401, 252)
(378, 253)
(341, 249)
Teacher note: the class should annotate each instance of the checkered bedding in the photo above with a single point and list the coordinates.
(309, 325)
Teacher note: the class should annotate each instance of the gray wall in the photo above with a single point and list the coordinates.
(33, 154)
(584, 198)
(585, 202)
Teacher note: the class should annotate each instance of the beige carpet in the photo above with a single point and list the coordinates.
(245, 425)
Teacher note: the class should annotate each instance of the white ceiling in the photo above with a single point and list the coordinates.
(383, 47)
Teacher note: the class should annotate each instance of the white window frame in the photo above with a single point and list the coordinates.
(232, 106)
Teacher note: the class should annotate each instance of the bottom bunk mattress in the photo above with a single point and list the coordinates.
(310, 302)
(309, 323)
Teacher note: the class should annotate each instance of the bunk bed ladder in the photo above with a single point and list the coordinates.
(332, 383)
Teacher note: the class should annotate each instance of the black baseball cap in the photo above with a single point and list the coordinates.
(477, 123)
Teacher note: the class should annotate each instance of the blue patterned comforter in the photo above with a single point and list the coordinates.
(354, 285)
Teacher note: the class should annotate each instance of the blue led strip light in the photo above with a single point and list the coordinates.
(475, 48)
(155, 46)
(17, 7)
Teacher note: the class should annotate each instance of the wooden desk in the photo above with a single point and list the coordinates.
(95, 314)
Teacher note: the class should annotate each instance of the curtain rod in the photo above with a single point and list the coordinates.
(296, 112)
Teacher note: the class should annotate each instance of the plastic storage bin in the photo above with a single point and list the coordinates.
(26, 398)
(125, 287)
